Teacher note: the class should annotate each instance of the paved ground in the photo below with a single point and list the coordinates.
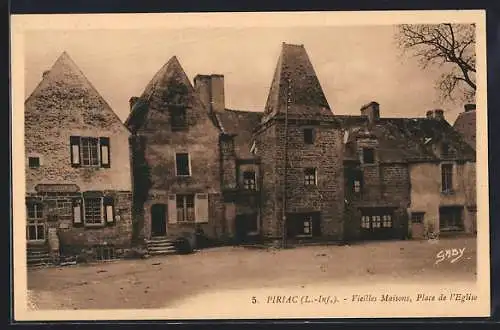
(166, 281)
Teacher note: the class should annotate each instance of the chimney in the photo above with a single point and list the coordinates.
(45, 73)
(469, 107)
(435, 114)
(372, 111)
(210, 89)
(132, 101)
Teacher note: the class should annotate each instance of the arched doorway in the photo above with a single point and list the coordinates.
(158, 220)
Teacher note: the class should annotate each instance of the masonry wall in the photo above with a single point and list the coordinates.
(54, 113)
(426, 195)
(159, 147)
(325, 155)
(384, 186)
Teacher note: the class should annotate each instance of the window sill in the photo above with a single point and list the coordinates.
(448, 192)
(36, 241)
(94, 226)
(304, 236)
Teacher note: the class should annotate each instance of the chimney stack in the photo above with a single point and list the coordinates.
(210, 89)
(469, 107)
(437, 114)
(132, 101)
(372, 111)
(45, 73)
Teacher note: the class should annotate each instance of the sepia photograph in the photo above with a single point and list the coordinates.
(250, 165)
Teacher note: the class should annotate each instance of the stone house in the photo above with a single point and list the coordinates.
(406, 177)
(299, 143)
(78, 176)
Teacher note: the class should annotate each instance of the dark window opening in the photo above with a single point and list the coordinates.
(368, 156)
(182, 164)
(185, 208)
(310, 176)
(446, 177)
(178, 119)
(249, 180)
(450, 219)
(417, 217)
(308, 136)
(34, 162)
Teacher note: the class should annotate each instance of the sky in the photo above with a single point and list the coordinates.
(355, 64)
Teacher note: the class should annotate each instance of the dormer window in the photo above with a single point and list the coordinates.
(368, 156)
(178, 119)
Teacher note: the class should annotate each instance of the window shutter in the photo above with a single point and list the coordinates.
(172, 209)
(201, 208)
(105, 152)
(77, 212)
(74, 142)
(109, 210)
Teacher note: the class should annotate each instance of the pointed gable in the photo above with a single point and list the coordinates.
(295, 80)
(65, 93)
(169, 87)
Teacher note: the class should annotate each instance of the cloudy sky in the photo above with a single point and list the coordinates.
(355, 65)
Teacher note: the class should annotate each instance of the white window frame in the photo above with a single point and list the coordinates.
(36, 222)
(245, 185)
(93, 224)
(185, 208)
(452, 174)
(98, 152)
(306, 179)
(189, 164)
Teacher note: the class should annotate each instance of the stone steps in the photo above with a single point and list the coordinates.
(161, 246)
(38, 255)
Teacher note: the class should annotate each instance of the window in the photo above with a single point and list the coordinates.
(95, 211)
(35, 229)
(417, 217)
(35, 211)
(182, 164)
(58, 208)
(185, 208)
(34, 162)
(446, 177)
(249, 180)
(368, 156)
(178, 119)
(445, 149)
(310, 176)
(90, 151)
(387, 221)
(357, 181)
(307, 227)
(308, 136)
(450, 219)
(377, 221)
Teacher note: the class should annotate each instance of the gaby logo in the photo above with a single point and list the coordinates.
(453, 255)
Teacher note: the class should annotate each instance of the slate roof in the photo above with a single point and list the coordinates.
(465, 124)
(294, 76)
(67, 92)
(170, 84)
(405, 139)
(240, 124)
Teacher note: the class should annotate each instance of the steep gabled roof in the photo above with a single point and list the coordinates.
(465, 124)
(240, 124)
(295, 80)
(65, 82)
(170, 84)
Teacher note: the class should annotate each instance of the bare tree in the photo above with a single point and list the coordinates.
(451, 46)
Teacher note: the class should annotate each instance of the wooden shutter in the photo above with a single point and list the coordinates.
(77, 212)
(109, 210)
(105, 152)
(74, 142)
(172, 209)
(201, 208)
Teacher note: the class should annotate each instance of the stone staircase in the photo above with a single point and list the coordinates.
(38, 255)
(161, 246)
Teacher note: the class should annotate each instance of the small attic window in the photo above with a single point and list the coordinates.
(34, 162)
(178, 119)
